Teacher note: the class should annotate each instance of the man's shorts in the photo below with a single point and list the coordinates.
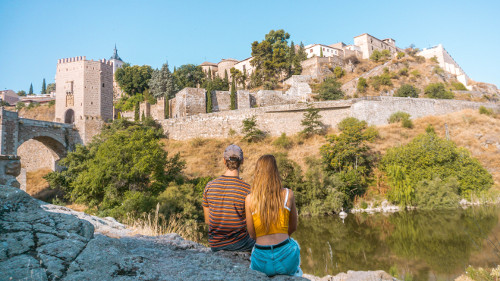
(244, 245)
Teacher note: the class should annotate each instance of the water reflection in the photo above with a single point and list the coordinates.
(428, 245)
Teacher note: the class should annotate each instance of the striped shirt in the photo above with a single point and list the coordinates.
(225, 199)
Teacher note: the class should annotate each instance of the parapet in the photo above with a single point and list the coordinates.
(82, 58)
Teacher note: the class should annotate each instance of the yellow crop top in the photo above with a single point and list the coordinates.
(281, 226)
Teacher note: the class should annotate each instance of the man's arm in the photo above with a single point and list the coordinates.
(206, 212)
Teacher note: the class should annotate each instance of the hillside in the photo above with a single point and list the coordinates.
(415, 71)
(42, 112)
(478, 133)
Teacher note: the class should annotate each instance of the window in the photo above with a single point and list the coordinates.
(103, 85)
(311, 51)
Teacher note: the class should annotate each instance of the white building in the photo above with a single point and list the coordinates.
(368, 44)
(446, 62)
(316, 49)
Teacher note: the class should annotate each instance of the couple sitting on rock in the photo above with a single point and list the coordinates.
(259, 218)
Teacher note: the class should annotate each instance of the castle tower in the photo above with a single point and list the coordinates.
(84, 93)
(117, 63)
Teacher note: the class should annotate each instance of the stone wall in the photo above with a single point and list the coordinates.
(243, 99)
(287, 118)
(221, 101)
(189, 101)
(317, 66)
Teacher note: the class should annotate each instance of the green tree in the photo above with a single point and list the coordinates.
(51, 87)
(44, 87)
(348, 155)
(427, 156)
(124, 162)
(189, 75)
(437, 91)
(233, 94)
(20, 105)
(133, 79)
(320, 52)
(21, 93)
(31, 89)
(162, 83)
(362, 85)
(251, 130)
(407, 90)
(311, 122)
(271, 58)
(329, 89)
(238, 77)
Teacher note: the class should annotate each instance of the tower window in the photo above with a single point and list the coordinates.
(103, 85)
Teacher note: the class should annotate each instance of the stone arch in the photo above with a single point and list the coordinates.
(41, 149)
(69, 116)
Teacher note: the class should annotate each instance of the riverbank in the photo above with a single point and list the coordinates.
(40, 241)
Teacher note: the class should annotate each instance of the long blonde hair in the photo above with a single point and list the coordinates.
(266, 191)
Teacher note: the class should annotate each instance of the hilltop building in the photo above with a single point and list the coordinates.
(446, 62)
(317, 50)
(9, 97)
(368, 43)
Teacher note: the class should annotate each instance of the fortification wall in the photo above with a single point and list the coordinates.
(287, 118)
(221, 101)
(378, 112)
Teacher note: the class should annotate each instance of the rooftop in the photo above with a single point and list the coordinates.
(115, 55)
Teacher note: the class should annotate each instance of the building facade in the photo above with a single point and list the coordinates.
(367, 44)
(319, 50)
(446, 62)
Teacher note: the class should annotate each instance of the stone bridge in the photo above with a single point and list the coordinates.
(59, 138)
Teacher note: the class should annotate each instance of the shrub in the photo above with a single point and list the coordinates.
(427, 156)
(362, 85)
(381, 80)
(407, 123)
(484, 110)
(283, 141)
(329, 89)
(338, 72)
(415, 73)
(434, 59)
(458, 86)
(437, 91)
(438, 70)
(20, 105)
(434, 194)
(400, 55)
(419, 59)
(380, 55)
(407, 90)
(403, 72)
(51, 103)
(363, 205)
(251, 131)
(398, 116)
(311, 122)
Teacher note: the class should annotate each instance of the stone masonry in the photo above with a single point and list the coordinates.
(287, 118)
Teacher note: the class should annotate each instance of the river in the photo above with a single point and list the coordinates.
(418, 245)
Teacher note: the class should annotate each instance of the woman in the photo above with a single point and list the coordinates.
(271, 218)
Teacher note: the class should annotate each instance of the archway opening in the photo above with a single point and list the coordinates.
(39, 156)
(69, 116)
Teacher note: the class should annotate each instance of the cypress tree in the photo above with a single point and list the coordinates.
(166, 107)
(320, 52)
(44, 87)
(209, 98)
(226, 80)
(136, 113)
(233, 94)
(31, 89)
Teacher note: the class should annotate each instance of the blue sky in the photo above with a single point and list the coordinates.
(34, 34)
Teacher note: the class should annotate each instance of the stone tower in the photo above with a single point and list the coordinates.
(117, 63)
(84, 94)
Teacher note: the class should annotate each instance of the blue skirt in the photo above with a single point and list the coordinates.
(279, 259)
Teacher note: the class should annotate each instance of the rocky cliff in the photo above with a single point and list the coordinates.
(39, 241)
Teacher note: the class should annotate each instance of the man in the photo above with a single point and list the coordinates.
(224, 206)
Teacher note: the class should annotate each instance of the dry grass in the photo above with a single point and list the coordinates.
(154, 224)
(35, 183)
(204, 156)
(43, 112)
